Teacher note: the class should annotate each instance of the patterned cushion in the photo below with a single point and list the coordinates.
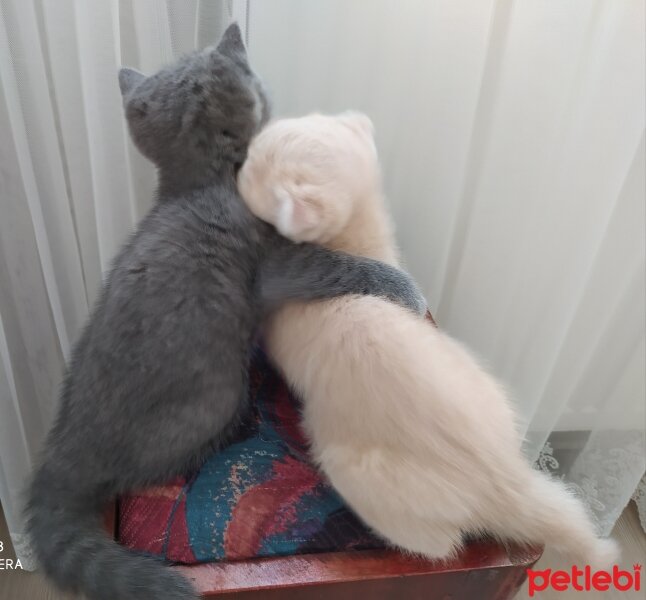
(258, 497)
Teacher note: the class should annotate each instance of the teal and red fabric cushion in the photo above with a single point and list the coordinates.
(258, 497)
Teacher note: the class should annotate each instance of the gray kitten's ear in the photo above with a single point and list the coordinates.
(231, 42)
(129, 79)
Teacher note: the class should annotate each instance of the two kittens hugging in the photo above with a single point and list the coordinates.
(290, 233)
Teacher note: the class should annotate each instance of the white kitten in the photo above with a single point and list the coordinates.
(413, 433)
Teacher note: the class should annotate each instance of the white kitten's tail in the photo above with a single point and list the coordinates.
(552, 515)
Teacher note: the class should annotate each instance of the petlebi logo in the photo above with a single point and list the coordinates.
(584, 580)
(8, 564)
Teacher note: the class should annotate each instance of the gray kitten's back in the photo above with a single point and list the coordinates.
(178, 310)
(156, 379)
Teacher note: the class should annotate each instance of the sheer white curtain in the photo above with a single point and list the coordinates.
(512, 141)
(512, 137)
(71, 185)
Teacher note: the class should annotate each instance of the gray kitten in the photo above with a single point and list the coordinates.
(158, 377)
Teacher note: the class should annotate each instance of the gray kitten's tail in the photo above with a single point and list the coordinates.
(73, 550)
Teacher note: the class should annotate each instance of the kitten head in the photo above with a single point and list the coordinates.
(305, 176)
(199, 113)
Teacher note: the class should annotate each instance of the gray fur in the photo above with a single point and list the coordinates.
(158, 377)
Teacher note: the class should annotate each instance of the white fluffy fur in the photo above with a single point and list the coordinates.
(415, 435)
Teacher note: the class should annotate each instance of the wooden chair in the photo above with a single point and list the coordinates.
(485, 570)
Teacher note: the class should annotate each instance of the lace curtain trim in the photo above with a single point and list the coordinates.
(588, 488)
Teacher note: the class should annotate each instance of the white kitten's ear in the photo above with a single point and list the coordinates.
(295, 218)
(129, 79)
(358, 121)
